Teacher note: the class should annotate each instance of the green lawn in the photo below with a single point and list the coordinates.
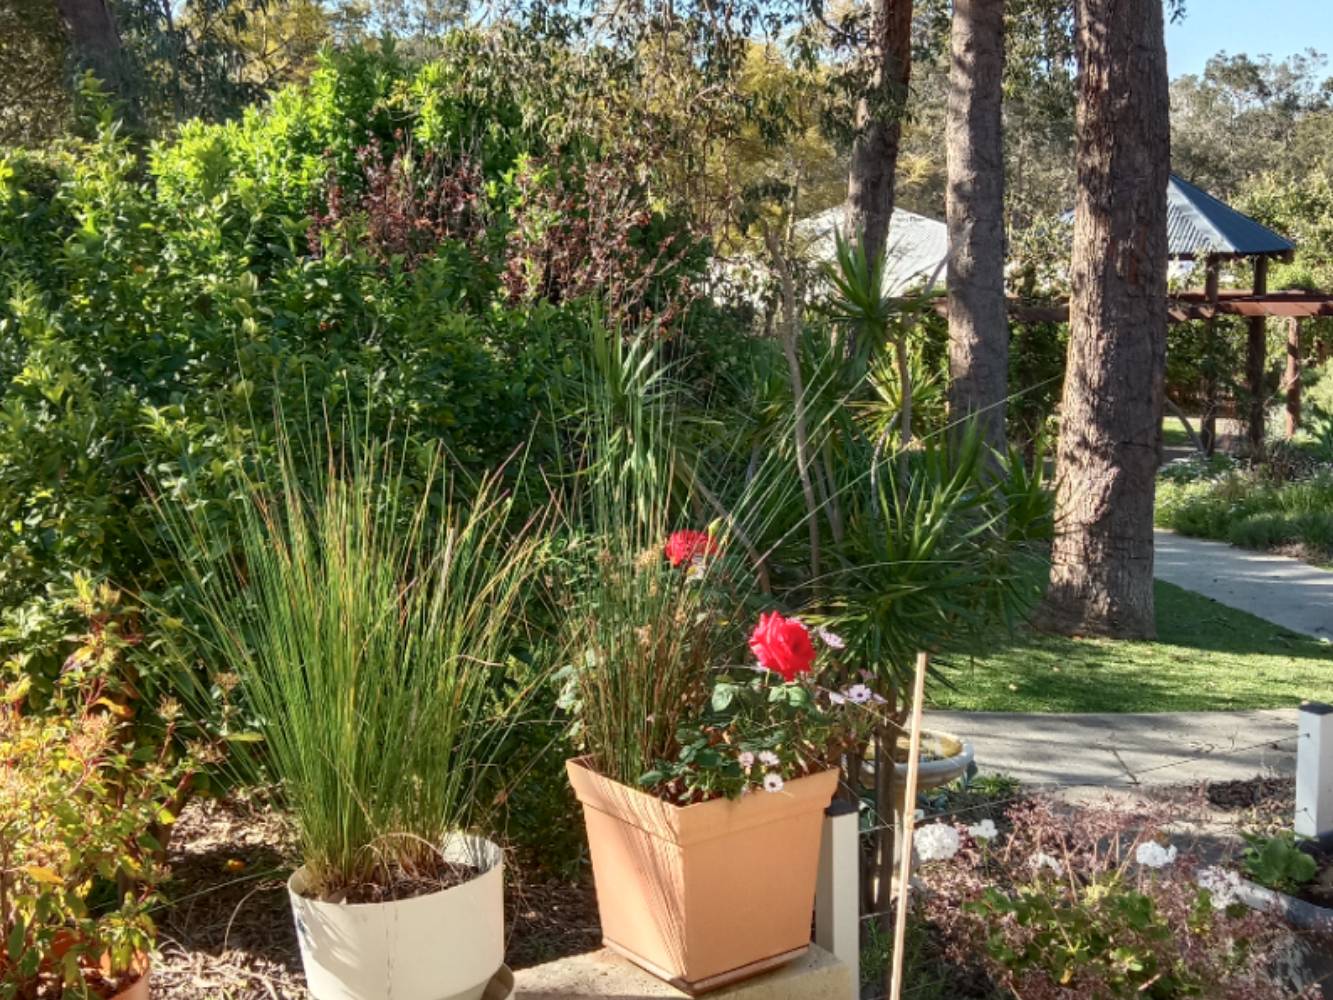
(1207, 657)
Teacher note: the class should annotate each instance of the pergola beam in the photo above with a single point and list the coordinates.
(1187, 306)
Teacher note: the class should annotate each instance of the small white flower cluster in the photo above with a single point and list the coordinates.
(1151, 854)
(1223, 886)
(937, 842)
(985, 830)
(1041, 860)
(772, 780)
(830, 639)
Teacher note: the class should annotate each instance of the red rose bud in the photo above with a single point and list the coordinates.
(782, 645)
(684, 546)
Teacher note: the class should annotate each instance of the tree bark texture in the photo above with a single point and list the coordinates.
(1102, 558)
(1292, 378)
(1208, 422)
(879, 123)
(93, 37)
(978, 313)
(1256, 362)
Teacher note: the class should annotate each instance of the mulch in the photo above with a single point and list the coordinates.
(227, 931)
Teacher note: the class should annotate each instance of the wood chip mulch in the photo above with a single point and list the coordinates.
(227, 933)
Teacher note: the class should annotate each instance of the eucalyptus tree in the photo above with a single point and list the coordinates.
(978, 320)
(1101, 579)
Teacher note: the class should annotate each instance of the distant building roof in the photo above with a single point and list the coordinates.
(917, 249)
(1199, 225)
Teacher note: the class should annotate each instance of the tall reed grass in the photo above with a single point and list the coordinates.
(366, 607)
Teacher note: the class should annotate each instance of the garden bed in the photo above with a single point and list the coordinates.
(228, 930)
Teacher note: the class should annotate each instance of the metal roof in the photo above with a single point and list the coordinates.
(1199, 225)
(916, 253)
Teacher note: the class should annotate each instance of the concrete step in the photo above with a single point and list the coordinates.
(604, 975)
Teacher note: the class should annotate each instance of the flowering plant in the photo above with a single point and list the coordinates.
(766, 724)
(79, 862)
(1093, 903)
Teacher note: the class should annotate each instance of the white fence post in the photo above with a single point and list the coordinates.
(838, 895)
(1314, 770)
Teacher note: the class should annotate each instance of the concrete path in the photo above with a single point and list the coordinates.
(1129, 750)
(1285, 591)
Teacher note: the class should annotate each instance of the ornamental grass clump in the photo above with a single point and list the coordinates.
(368, 608)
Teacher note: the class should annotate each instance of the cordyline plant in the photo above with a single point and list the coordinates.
(368, 630)
(681, 682)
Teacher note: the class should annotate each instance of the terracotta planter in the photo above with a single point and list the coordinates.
(137, 990)
(707, 894)
(445, 945)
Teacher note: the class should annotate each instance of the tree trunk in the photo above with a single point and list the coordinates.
(1102, 558)
(879, 120)
(1256, 362)
(1208, 422)
(93, 37)
(1292, 377)
(978, 321)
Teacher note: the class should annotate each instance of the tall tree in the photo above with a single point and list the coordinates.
(93, 36)
(974, 142)
(1102, 559)
(879, 125)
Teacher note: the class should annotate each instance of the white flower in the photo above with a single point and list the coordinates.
(858, 694)
(985, 830)
(830, 639)
(1042, 860)
(836, 699)
(768, 758)
(1223, 886)
(1151, 854)
(937, 842)
(745, 759)
(773, 782)
(698, 569)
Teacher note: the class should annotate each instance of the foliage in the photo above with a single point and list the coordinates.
(368, 619)
(758, 731)
(1090, 904)
(1277, 862)
(84, 801)
(147, 310)
(933, 553)
(1247, 507)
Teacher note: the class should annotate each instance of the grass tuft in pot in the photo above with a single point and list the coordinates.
(366, 607)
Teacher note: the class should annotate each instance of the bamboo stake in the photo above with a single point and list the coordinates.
(909, 825)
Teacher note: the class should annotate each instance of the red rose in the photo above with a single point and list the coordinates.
(782, 645)
(683, 546)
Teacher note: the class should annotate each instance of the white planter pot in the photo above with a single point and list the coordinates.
(446, 945)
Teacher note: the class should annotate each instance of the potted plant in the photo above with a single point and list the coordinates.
(78, 865)
(707, 772)
(365, 617)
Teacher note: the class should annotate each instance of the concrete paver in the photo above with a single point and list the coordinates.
(1279, 589)
(1127, 750)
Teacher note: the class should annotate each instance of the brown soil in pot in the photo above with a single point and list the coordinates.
(402, 884)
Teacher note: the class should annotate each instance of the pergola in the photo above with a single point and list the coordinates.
(1203, 229)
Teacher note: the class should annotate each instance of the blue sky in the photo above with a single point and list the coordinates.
(1255, 27)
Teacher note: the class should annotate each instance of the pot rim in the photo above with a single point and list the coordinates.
(584, 761)
(493, 852)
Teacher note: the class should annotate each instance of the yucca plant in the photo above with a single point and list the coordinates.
(642, 643)
(365, 608)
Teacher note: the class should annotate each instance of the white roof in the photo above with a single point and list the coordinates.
(917, 248)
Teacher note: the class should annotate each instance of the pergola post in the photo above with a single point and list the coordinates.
(1208, 422)
(1292, 379)
(1256, 360)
